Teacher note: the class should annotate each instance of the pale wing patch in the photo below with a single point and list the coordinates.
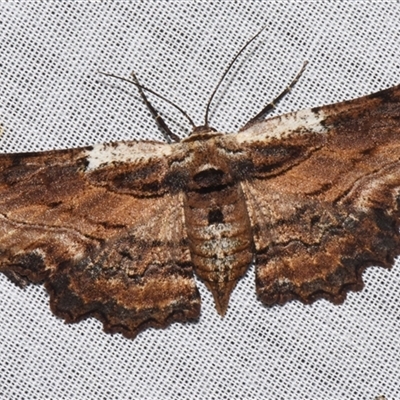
(283, 126)
(127, 152)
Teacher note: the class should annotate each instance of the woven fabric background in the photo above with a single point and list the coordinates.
(51, 96)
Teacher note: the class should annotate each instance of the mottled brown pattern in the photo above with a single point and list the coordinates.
(324, 216)
(100, 253)
(117, 231)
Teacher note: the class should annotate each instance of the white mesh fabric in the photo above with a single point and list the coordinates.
(52, 97)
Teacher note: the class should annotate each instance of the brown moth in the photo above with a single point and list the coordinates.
(117, 231)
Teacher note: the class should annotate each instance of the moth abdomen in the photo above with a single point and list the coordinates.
(220, 239)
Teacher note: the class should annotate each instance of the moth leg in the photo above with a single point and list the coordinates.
(270, 106)
(168, 134)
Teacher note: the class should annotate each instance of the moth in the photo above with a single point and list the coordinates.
(117, 231)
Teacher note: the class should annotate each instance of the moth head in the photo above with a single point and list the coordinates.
(202, 132)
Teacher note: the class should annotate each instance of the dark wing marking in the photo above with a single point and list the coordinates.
(103, 227)
(322, 192)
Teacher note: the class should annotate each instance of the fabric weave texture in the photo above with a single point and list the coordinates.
(52, 97)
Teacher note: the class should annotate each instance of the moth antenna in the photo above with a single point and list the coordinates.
(168, 134)
(226, 72)
(184, 113)
(270, 106)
